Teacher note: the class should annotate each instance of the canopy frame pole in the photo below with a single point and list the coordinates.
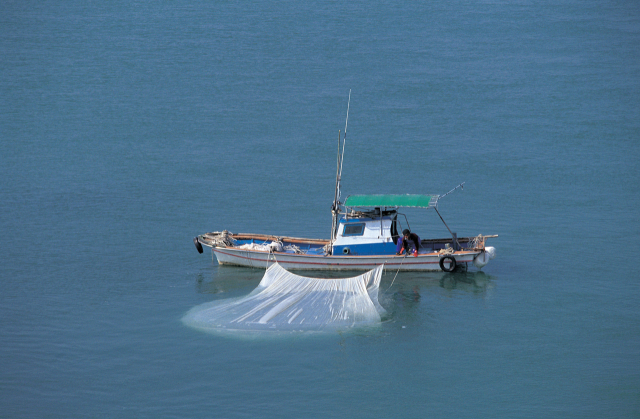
(459, 186)
(454, 237)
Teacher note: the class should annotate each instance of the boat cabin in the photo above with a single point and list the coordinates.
(367, 233)
(377, 229)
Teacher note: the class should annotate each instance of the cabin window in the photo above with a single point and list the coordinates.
(353, 229)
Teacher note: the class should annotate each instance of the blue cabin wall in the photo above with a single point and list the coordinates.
(387, 248)
(373, 239)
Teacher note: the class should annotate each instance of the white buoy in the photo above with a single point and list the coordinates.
(491, 251)
(481, 260)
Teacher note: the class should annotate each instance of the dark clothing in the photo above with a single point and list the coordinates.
(404, 243)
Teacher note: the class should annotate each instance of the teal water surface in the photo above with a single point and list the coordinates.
(127, 128)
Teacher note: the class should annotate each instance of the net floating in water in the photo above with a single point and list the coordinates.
(284, 301)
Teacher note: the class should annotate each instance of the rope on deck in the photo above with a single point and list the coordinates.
(477, 242)
(222, 239)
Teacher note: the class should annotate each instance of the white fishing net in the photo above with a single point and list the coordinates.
(284, 301)
(274, 246)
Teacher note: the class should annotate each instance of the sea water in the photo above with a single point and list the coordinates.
(127, 128)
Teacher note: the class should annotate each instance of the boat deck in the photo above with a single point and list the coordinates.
(317, 246)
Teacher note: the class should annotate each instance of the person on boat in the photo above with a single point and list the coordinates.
(403, 243)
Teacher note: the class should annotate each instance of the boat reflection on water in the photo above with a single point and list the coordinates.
(411, 293)
(475, 282)
(409, 284)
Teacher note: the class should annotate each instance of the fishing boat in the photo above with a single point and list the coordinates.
(366, 235)
(367, 231)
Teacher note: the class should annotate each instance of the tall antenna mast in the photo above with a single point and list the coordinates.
(335, 207)
(345, 137)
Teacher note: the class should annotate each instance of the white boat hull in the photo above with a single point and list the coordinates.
(260, 259)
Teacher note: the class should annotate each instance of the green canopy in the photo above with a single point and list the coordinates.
(420, 201)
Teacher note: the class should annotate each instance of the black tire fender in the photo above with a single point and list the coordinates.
(452, 267)
(198, 245)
